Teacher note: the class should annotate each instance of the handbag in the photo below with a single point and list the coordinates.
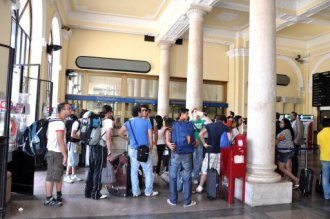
(107, 176)
(142, 150)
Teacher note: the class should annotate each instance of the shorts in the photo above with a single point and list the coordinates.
(55, 168)
(73, 155)
(214, 162)
(284, 157)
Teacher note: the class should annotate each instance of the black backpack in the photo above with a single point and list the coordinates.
(68, 126)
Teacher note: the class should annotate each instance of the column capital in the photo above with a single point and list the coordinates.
(165, 44)
(197, 12)
(238, 52)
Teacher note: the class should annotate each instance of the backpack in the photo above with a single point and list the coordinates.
(183, 136)
(34, 140)
(224, 141)
(68, 126)
(90, 131)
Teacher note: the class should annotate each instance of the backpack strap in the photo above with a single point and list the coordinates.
(129, 121)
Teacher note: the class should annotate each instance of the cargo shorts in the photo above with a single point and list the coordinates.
(55, 168)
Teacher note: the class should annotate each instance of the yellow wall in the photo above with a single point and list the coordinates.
(128, 46)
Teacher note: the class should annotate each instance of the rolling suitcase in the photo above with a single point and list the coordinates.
(212, 183)
(121, 166)
(318, 184)
(306, 179)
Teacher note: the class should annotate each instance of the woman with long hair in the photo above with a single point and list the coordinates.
(284, 142)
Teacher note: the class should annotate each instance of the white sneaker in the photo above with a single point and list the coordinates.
(195, 181)
(199, 189)
(68, 179)
(75, 178)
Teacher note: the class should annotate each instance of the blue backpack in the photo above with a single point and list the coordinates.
(34, 139)
(224, 141)
(183, 136)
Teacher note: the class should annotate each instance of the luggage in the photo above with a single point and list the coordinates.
(121, 187)
(306, 179)
(318, 184)
(212, 183)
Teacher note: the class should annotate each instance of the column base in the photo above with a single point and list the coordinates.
(258, 194)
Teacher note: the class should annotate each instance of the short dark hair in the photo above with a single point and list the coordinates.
(182, 111)
(326, 122)
(135, 110)
(61, 106)
(222, 118)
(144, 106)
(294, 113)
(105, 110)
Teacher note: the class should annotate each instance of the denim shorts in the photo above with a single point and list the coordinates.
(284, 157)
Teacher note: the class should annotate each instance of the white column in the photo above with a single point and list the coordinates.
(194, 94)
(164, 79)
(261, 93)
(137, 87)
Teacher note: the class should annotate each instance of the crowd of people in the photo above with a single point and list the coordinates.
(184, 169)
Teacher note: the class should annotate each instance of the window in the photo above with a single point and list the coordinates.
(105, 86)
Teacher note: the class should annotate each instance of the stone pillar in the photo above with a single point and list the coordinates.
(164, 79)
(194, 94)
(263, 186)
(262, 92)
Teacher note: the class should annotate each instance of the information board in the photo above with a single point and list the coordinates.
(321, 89)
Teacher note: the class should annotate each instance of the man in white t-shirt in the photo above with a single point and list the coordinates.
(57, 155)
(98, 156)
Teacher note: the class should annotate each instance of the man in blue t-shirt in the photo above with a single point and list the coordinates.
(139, 133)
(212, 147)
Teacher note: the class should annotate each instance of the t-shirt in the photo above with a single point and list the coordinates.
(140, 127)
(53, 128)
(286, 143)
(215, 131)
(323, 140)
(75, 127)
(199, 125)
(106, 124)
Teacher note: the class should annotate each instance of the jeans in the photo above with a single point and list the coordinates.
(175, 164)
(97, 160)
(325, 179)
(147, 171)
(198, 159)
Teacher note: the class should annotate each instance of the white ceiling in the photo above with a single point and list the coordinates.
(302, 20)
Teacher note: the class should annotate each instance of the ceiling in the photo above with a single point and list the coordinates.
(301, 20)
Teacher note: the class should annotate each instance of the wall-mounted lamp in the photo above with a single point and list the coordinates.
(70, 73)
(51, 48)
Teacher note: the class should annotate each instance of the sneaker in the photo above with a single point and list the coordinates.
(170, 203)
(52, 202)
(138, 195)
(199, 189)
(74, 177)
(154, 193)
(103, 196)
(195, 181)
(59, 198)
(192, 203)
(68, 179)
(164, 176)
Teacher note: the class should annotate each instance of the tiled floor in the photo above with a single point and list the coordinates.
(76, 206)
